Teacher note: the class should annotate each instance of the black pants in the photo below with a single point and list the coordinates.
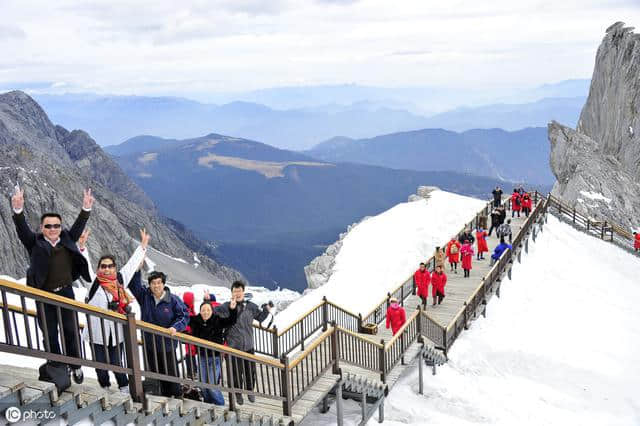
(440, 297)
(454, 265)
(526, 211)
(166, 364)
(513, 212)
(48, 314)
(100, 352)
(244, 373)
(496, 203)
(466, 273)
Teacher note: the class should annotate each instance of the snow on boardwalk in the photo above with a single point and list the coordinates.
(560, 347)
(381, 252)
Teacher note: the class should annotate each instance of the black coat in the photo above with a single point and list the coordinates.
(212, 330)
(39, 250)
(497, 195)
(465, 236)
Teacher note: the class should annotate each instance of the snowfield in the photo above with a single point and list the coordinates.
(380, 253)
(560, 347)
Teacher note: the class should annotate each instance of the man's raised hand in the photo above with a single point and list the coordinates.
(17, 200)
(144, 238)
(87, 201)
(232, 303)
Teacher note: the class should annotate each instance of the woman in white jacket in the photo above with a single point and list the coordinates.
(107, 291)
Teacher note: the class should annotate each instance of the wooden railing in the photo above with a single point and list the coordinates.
(284, 377)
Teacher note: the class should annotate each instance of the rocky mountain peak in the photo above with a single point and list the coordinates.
(597, 165)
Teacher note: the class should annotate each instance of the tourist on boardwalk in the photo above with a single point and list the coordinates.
(636, 241)
(503, 214)
(107, 291)
(240, 336)
(396, 316)
(160, 307)
(467, 257)
(495, 219)
(55, 262)
(439, 256)
(526, 204)
(500, 248)
(209, 325)
(497, 196)
(481, 240)
(421, 280)
(453, 254)
(190, 350)
(466, 236)
(438, 281)
(516, 203)
(504, 230)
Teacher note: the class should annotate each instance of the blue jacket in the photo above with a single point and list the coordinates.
(501, 248)
(169, 312)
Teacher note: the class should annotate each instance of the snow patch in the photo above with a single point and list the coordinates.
(595, 196)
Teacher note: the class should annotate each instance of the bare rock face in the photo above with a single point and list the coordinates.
(54, 165)
(597, 165)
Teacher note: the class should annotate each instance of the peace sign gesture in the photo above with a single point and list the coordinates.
(87, 201)
(17, 200)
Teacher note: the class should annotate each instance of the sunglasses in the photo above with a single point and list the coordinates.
(52, 226)
(107, 265)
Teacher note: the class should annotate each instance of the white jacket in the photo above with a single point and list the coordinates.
(101, 299)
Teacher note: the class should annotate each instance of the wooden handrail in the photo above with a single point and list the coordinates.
(401, 330)
(32, 291)
(314, 345)
(342, 309)
(302, 317)
(359, 337)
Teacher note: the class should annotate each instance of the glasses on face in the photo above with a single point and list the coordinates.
(52, 226)
(107, 265)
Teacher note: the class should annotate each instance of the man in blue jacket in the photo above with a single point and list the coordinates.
(158, 306)
(500, 248)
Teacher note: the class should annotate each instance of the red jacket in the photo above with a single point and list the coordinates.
(636, 243)
(453, 257)
(421, 280)
(438, 281)
(467, 256)
(188, 298)
(396, 317)
(481, 241)
(516, 202)
(526, 201)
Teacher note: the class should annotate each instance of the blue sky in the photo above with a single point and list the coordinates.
(159, 47)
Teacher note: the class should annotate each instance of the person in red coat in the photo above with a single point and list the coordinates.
(526, 204)
(636, 241)
(438, 281)
(453, 254)
(516, 203)
(421, 280)
(481, 240)
(467, 256)
(396, 316)
(190, 350)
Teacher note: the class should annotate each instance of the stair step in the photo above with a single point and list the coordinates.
(29, 395)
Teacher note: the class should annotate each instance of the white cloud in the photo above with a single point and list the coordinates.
(157, 47)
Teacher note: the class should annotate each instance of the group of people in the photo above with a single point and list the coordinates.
(520, 202)
(59, 259)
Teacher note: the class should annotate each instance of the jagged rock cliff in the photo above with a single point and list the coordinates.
(597, 165)
(53, 166)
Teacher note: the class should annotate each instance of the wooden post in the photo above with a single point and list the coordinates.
(325, 313)
(133, 359)
(232, 396)
(301, 323)
(276, 349)
(604, 225)
(420, 379)
(381, 412)
(359, 323)
(335, 350)
(574, 215)
(286, 387)
(383, 376)
(339, 412)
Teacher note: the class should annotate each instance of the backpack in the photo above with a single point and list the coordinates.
(518, 201)
(96, 285)
(453, 249)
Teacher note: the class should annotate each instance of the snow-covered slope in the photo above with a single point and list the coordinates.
(560, 347)
(380, 253)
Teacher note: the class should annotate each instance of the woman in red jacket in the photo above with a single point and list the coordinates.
(467, 256)
(421, 280)
(396, 316)
(438, 281)
(481, 240)
(516, 203)
(453, 254)
(190, 350)
(526, 204)
(636, 244)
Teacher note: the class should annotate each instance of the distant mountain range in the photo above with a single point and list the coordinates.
(269, 210)
(521, 156)
(319, 114)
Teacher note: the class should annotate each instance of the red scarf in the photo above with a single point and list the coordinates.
(110, 283)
